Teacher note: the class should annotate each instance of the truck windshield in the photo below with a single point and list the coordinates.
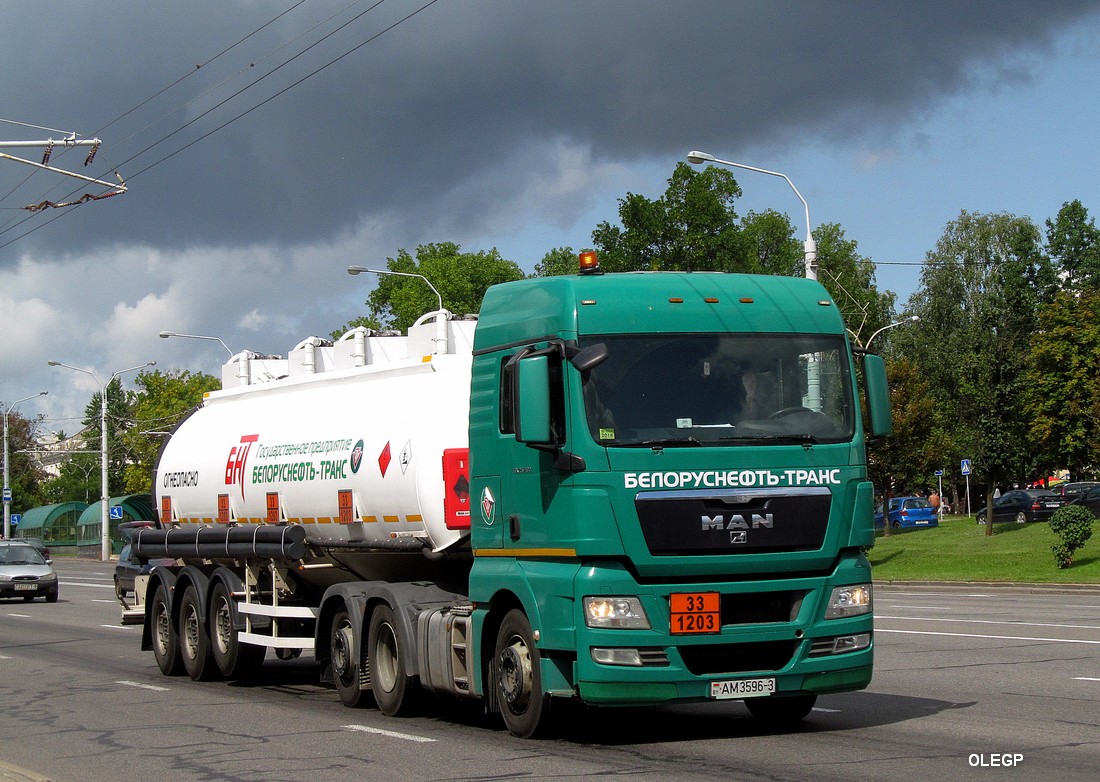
(719, 389)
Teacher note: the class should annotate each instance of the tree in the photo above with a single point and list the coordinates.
(693, 227)
(906, 460)
(461, 279)
(24, 475)
(980, 292)
(1063, 386)
(560, 260)
(1073, 241)
(850, 280)
(164, 400)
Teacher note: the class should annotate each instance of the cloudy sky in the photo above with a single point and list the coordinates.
(267, 145)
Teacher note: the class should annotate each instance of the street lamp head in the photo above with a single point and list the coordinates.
(54, 363)
(697, 157)
(166, 334)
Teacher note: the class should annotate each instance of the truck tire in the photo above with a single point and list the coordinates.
(390, 682)
(235, 660)
(194, 640)
(778, 710)
(166, 643)
(345, 664)
(518, 676)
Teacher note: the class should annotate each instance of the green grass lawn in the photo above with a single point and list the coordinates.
(958, 550)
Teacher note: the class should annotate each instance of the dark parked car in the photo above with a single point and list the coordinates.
(1071, 491)
(43, 549)
(906, 512)
(1022, 506)
(130, 566)
(1090, 499)
(25, 573)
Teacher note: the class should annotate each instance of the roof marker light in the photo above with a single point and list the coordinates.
(746, 300)
(589, 262)
(675, 300)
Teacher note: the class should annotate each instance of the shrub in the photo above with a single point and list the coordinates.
(1073, 524)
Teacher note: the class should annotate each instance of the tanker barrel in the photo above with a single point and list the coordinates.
(286, 542)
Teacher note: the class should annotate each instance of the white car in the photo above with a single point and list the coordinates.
(25, 573)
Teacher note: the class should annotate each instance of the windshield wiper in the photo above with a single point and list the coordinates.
(676, 442)
(797, 439)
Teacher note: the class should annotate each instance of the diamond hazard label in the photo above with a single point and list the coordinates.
(384, 459)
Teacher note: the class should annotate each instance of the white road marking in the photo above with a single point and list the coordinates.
(995, 637)
(390, 733)
(987, 622)
(86, 584)
(1086, 679)
(141, 686)
(21, 616)
(119, 627)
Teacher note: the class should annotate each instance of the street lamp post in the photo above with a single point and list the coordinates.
(902, 322)
(167, 334)
(441, 318)
(105, 550)
(809, 246)
(7, 471)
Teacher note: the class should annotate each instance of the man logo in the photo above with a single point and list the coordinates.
(738, 521)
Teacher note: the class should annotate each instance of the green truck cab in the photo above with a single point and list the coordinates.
(669, 494)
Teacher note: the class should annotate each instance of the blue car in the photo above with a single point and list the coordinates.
(908, 512)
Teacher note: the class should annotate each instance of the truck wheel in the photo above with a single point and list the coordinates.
(345, 663)
(389, 681)
(166, 644)
(779, 710)
(518, 677)
(235, 660)
(198, 659)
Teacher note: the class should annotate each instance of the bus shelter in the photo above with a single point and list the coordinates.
(129, 507)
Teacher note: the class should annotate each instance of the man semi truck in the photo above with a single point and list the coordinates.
(619, 489)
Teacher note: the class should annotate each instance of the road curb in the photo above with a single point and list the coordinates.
(1017, 586)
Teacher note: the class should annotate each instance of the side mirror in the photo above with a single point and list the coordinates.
(878, 395)
(533, 400)
(590, 357)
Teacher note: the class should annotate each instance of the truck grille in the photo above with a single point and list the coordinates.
(734, 521)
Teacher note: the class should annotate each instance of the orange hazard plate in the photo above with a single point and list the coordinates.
(695, 612)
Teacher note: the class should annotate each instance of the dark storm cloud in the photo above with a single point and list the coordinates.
(462, 89)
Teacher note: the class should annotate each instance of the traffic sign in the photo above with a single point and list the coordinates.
(7, 495)
(116, 512)
(939, 473)
(965, 466)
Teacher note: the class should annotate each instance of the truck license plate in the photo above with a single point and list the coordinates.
(26, 587)
(695, 612)
(742, 688)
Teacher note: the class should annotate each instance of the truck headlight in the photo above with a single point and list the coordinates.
(618, 613)
(851, 600)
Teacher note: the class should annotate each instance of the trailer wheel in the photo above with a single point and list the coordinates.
(235, 660)
(166, 648)
(345, 663)
(198, 659)
(777, 710)
(390, 682)
(518, 677)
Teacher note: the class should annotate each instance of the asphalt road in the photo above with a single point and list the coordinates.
(970, 683)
